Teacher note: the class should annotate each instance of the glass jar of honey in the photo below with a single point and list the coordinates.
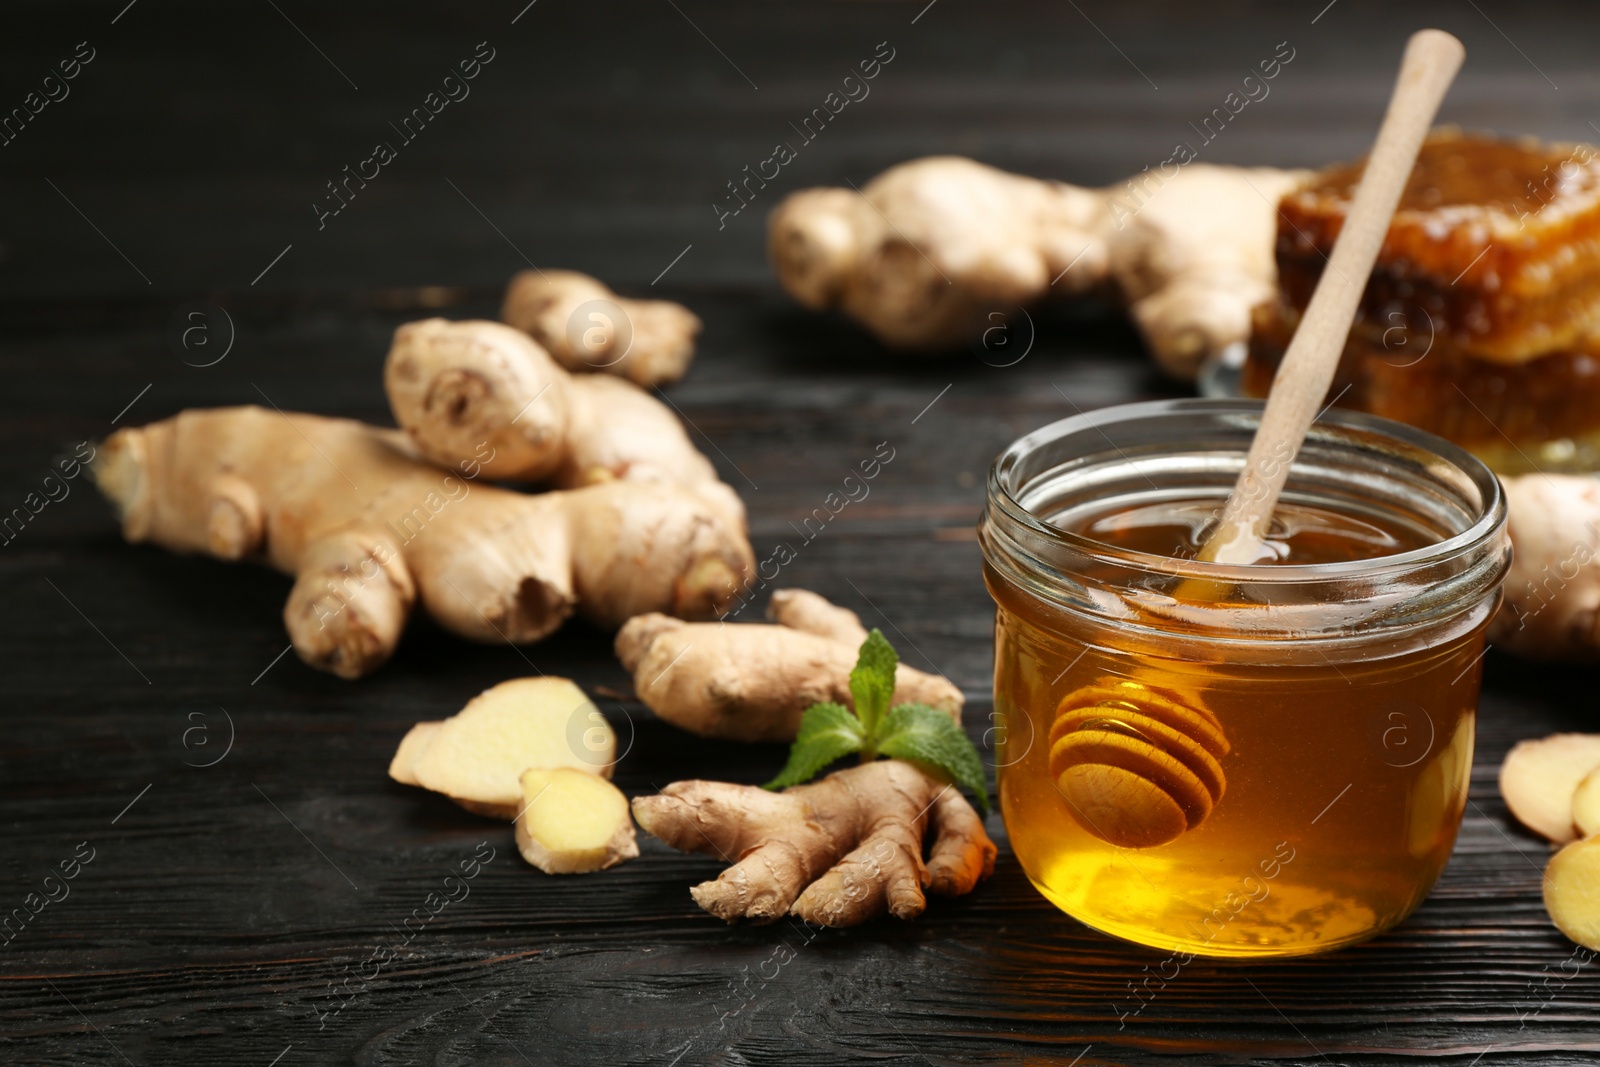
(1262, 760)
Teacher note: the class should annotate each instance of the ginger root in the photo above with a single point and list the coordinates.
(1552, 593)
(573, 822)
(367, 528)
(929, 250)
(587, 327)
(483, 398)
(801, 609)
(477, 756)
(753, 681)
(835, 852)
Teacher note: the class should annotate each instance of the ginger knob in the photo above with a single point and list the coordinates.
(1136, 764)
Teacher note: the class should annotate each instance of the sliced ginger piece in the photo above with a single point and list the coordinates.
(477, 756)
(1538, 780)
(1572, 891)
(573, 822)
(1586, 805)
(403, 767)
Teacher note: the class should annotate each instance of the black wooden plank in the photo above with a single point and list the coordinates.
(229, 913)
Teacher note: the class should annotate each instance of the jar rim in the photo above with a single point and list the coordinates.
(1491, 510)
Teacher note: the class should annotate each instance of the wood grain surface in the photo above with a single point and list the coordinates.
(253, 911)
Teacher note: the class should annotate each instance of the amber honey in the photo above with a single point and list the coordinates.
(1322, 833)
(1277, 770)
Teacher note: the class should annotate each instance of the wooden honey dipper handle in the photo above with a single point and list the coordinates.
(1431, 60)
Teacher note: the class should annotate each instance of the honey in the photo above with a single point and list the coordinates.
(1275, 772)
(1366, 828)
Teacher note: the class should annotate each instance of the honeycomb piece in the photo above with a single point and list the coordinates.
(1495, 248)
(1540, 415)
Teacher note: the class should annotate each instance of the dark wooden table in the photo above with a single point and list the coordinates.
(250, 858)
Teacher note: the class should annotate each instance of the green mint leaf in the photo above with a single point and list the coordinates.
(927, 736)
(827, 731)
(872, 682)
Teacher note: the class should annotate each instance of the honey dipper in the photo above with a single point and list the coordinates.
(1431, 60)
(1139, 765)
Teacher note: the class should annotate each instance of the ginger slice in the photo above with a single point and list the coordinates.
(1538, 780)
(477, 756)
(1572, 891)
(403, 767)
(573, 822)
(1586, 805)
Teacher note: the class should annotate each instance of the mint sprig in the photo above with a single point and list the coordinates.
(914, 732)
(827, 732)
(872, 682)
